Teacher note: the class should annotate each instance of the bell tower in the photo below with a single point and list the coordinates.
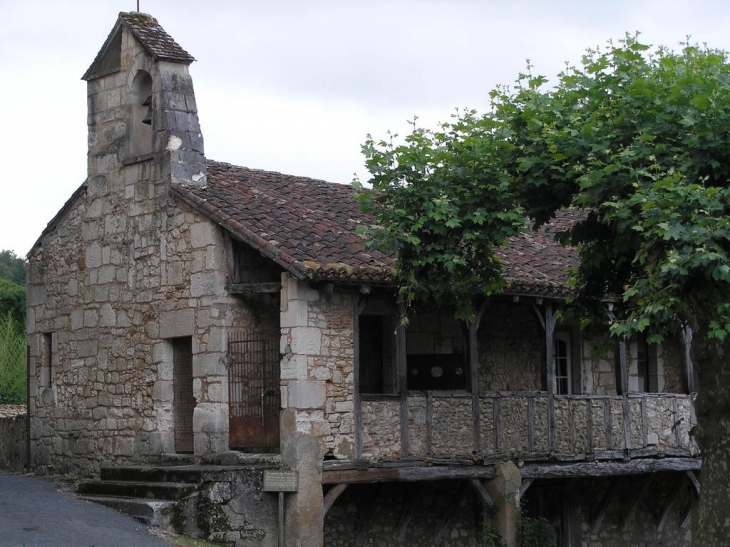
(141, 108)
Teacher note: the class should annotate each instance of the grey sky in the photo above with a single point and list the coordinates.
(295, 86)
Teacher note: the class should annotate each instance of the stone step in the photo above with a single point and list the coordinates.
(143, 490)
(143, 473)
(157, 513)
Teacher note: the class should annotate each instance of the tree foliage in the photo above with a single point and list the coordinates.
(443, 202)
(12, 267)
(639, 139)
(637, 136)
(12, 301)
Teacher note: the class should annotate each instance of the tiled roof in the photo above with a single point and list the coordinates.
(305, 225)
(533, 262)
(308, 227)
(154, 38)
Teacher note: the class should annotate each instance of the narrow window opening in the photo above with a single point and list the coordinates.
(141, 114)
(563, 364)
(46, 376)
(377, 354)
(646, 366)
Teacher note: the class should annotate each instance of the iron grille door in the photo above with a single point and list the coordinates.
(253, 390)
(182, 385)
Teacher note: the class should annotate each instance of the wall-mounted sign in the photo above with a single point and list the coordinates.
(281, 480)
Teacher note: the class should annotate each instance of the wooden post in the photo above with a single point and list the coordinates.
(402, 375)
(358, 305)
(624, 384)
(474, 375)
(550, 321)
(281, 520)
(686, 339)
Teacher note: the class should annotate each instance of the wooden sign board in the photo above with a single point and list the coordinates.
(281, 480)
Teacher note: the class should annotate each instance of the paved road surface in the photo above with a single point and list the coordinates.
(33, 514)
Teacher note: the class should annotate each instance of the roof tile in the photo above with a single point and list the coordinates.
(309, 226)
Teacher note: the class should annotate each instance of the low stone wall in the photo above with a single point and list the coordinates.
(13, 437)
(440, 425)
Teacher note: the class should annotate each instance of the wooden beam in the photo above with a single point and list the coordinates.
(358, 304)
(672, 496)
(695, 482)
(474, 375)
(401, 365)
(624, 381)
(602, 469)
(634, 504)
(550, 322)
(608, 423)
(410, 509)
(526, 483)
(363, 524)
(254, 288)
(332, 495)
(603, 506)
(687, 517)
(481, 492)
(408, 474)
(686, 339)
(495, 422)
(451, 508)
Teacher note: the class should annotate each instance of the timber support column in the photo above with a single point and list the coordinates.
(505, 491)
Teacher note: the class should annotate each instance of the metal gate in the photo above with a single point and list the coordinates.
(253, 391)
(182, 387)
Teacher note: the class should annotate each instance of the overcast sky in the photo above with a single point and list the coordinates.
(295, 86)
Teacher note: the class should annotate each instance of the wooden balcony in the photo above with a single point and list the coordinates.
(530, 426)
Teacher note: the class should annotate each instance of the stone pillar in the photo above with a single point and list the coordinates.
(504, 489)
(304, 513)
(302, 419)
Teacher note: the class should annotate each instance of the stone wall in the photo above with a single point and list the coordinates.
(440, 425)
(410, 514)
(448, 513)
(317, 370)
(572, 509)
(124, 269)
(512, 348)
(13, 437)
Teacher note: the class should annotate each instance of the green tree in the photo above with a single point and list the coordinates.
(639, 138)
(12, 301)
(12, 267)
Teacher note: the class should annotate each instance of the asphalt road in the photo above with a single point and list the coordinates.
(34, 514)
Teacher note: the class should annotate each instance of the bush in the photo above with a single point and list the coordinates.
(12, 362)
(536, 532)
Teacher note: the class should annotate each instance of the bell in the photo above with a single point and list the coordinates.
(148, 117)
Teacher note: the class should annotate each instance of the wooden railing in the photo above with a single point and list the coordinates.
(527, 425)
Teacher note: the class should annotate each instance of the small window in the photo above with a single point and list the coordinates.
(563, 364)
(377, 354)
(436, 352)
(646, 366)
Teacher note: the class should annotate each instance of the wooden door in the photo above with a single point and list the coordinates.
(183, 400)
(253, 391)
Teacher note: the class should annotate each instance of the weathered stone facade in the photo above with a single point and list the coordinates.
(122, 271)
